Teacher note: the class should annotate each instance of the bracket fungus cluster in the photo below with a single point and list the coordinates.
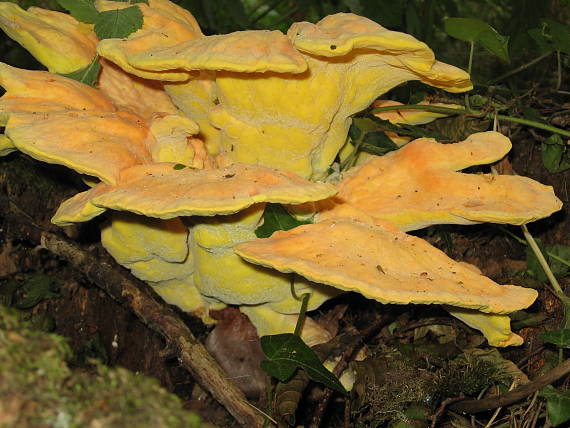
(186, 137)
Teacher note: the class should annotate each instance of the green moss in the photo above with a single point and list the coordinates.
(37, 388)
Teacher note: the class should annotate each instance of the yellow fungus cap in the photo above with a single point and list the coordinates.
(90, 142)
(382, 263)
(132, 93)
(417, 186)
(55, 39)
(163, 191)
(243, 51)
(165, 24)
(344, 33)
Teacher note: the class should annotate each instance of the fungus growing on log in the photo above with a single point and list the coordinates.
(191, 135)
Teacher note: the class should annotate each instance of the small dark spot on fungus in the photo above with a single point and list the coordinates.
(424, 274)
(229, 175)
(333, 47)
(379, 269)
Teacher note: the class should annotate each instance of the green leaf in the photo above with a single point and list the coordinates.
(276, 217)
(285, 352)
(280, 370)
(119, 23)
(543, 43)
(555, 156)
(495, 43)
(466, 29)
(377, 143)
(559, 268)
(475, 30)
(82, 10)
(560, 338)
(87, 75)
(557, 404)
(560, 35)
(36, 289)
(386, 13)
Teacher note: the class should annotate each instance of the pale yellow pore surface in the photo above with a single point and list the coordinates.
(495, 327)
(410, 116)
(221, 274)
(383, 264)
(164, 191)
(55, 39)
(6, 145)
(418, 186)
(154, 250)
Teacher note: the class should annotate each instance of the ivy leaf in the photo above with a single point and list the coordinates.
(82, 10)
(275, 217)
(555, 156)
(560, 338)
(280, 370)
(560, 35)
(475, 30)
(118, 23)
(286, 352)
(557, 404)
(87, 75)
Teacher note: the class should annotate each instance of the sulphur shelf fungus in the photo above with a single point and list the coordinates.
(186, 137)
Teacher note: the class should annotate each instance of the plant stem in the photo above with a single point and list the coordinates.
(480, 113)
(521, 68)
(540, 257)
(469, 67)
(304, 298)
